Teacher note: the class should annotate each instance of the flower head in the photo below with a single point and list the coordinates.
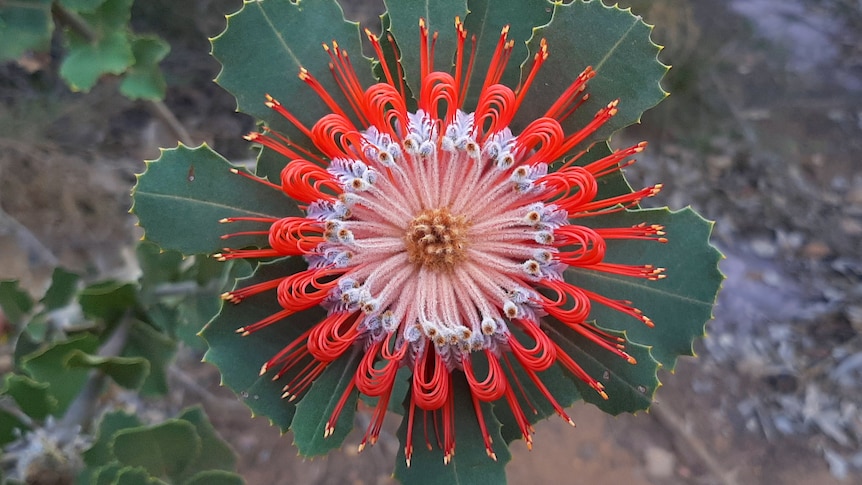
(433, 236)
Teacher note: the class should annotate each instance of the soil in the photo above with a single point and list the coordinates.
(760, 135)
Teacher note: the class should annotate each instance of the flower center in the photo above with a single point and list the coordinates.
(436, 239)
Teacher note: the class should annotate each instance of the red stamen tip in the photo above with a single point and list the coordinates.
(263, 370)
(219, 257)
(240, 330)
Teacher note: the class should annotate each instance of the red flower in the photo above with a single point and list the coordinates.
(429, 236)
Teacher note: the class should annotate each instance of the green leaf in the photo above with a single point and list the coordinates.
(144, 79)
(470, 464)
(439, 17)
(146, 342)
(196, 311)
(215, 453)
(215, 477)
(630, 387)
(136, 476)
(106, 475)
(616, 44)
(128, 372)
(182, 196)
(14, 301)
(109, 300)
(82, 5)
(25, 25)
(485, 20)
(64, 285)
(317, 405)
(267, 42)
(157, 266)
(9, 423)
(681, 304)
(239, 359)
(49, 365)
(87, 61)
(100, 452)
(164, 450)
(31, 396)
(110, 52)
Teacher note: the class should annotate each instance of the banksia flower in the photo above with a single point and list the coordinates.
(446, 242)
(431, 234)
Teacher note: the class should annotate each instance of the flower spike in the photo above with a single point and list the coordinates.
(438, 241)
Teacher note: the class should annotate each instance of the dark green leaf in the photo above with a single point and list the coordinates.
(266, 43)
(182, 196)
(14, 301)
(144, 341)
(164, 450)
(9, 423)
(215, 453)
(439, 16)
(109, 300)
(197, 310)
(610, 185)
(32, 397)
(144, 79)
(215, 477)
(24, 26)
(49, 365)
(157, 266)
(630, 387)
(136, 476)
(240, 358)
(616, 44)
(64, 285)
(111, 423)
(316, 407)
(485, 20)
(82, 5)
(681, 304)
(470, 464)
(106, 475)
(128, 372)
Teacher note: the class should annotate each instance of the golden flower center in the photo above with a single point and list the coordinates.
(437, 239)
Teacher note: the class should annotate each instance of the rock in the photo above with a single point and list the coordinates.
(851, 226)
(854, 316)
(660, 463)
(854, 197)
(720, 162)
(763, 248)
